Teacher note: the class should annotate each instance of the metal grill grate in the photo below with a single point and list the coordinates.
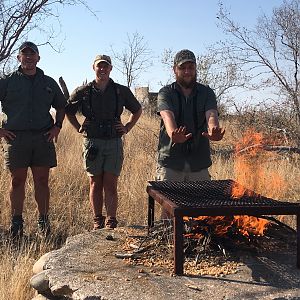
(211, 198)
(212, 193)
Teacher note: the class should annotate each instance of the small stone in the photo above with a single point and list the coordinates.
(40, 282)
(39, 265)
(110, 237)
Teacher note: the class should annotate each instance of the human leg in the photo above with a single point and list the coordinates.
(96, 200)
(113, 160)
(167, 174)
(17, 197)
(110, 182)
(201, 175)
(17, 190)
(41, 188)
(42, 196)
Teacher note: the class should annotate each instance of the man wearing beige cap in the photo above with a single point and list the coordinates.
(189, 121)
(102, 102)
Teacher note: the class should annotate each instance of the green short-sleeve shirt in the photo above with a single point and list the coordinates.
(102, 105)
(26, 100)
(189, 112)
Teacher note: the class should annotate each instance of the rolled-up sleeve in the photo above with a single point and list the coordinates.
(164, 100)
(73, 102)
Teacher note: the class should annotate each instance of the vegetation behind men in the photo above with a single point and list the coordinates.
(102, 102)
(28, 131)
(189, 121)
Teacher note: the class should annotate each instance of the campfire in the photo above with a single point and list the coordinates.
(209, 218)
(222, 226)
(208, 248)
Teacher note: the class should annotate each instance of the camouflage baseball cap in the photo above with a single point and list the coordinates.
(102, 57)
(184, 56)
(30, 45)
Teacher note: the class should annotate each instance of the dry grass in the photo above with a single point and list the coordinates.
(70, 210)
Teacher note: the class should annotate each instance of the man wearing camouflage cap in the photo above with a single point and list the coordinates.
(189, 121)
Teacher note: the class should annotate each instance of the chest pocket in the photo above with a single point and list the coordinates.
(13, 94)
(47, 93)
(89, 108)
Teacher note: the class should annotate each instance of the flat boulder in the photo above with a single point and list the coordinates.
(89, 267)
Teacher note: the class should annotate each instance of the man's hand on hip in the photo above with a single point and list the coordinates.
(8, 135)
(53, 134)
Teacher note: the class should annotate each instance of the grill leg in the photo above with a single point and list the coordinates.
(178, 245)
(150, 212)
(298, 240)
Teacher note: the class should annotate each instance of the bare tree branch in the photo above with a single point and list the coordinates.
(18, 18)
(270, 51)
(64, 87)
(134, 58)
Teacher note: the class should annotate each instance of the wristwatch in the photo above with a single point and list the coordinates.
(58, 124)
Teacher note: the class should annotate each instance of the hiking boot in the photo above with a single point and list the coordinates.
(16, 227)
(111, 223)
(99, 222)
(43, 226)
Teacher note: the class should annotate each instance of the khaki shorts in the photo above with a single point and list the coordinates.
(101, 156)
(29, 149)
(166, 174)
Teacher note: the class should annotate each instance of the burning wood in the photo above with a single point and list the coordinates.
(224, 225)
(209, 244)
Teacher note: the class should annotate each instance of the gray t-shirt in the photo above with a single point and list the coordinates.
(189, 112)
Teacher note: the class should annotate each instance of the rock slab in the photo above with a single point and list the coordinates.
(86, 268)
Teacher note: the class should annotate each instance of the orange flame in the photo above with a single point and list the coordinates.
(254, 167)
(249, 224)
(254, 171)
(222, 225)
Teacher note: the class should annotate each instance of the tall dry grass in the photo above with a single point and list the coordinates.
(70, 210)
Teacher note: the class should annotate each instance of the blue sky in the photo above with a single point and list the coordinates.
(165, 24)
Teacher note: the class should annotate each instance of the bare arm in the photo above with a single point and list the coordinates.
(177, 135)
(133, 118)
(55, 130)
(215, 132)
(169, 121)
(60, 115)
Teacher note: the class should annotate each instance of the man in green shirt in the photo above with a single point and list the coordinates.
(101, 102)
(28, 131)
(189, 121)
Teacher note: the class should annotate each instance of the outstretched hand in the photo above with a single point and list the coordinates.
(180, 136)
(214, 133)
